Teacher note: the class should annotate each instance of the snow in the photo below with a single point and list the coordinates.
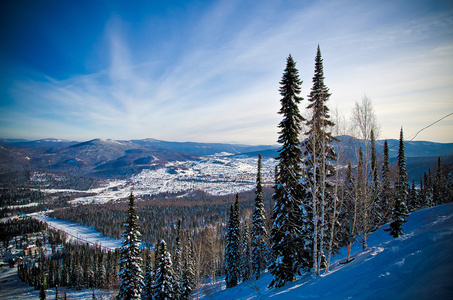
(418, 265)
(216, 175)
(79, 232)
(22, 205)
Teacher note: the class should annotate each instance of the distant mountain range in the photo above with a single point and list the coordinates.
(44, 143)
(111, 158)
(99, 158)
(412, 149)
(187, 147)
(203, 148)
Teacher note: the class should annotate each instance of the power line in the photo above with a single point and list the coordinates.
(380, 155)
(430, 126)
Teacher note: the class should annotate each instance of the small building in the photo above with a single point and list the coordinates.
(30, 250)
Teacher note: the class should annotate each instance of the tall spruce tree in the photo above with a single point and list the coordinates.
(386, 199)
(147, 293)
(157, 258)
(400, 212)
(188, 275)
(232, 257)
(246, 259)
(100, 270)
(429, 189)
(437, 184)
(131, 274)
(319, 159)
(177, 261)
(376, 209)
(442, 184)
(449, 187)
(259, 246)
(413, 202)
(164, 285)
(287, 237)
(402, 169)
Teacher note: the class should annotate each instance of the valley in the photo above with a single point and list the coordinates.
(98, 171)
(214, 175)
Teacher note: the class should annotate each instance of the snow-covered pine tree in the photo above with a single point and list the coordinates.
(402, 169)
(319, 160)
(188, 275)
(412, 200)
(376, 209)
(421, 199)
(157, 257)
(78, 278)
(65, 272)
(131, 274)
(147, 293)
(232, 257)
(429, 189)
(449, 187)
(246, 260)
(112, 268)
(89, 274)
(400, 212)
(441, 185)
(164, 286)
(177, 261)
(100, 270)
(52, 275)
(386, 198)
(259, 246)
(437, 184)
(287, 237)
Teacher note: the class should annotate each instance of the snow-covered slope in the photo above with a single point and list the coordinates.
(78, 232)
(418, 265)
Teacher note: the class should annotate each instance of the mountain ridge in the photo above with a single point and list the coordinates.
(412, 148)
(112, 158)
(98, 158)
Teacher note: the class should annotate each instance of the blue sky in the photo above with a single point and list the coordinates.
(209, 71)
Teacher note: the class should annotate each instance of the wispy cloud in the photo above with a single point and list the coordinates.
(222, 83)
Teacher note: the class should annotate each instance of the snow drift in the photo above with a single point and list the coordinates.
(418, 265)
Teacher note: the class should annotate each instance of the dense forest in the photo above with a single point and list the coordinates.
(25, 191)
(203, 218)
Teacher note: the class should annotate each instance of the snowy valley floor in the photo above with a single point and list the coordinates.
(418, 265)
